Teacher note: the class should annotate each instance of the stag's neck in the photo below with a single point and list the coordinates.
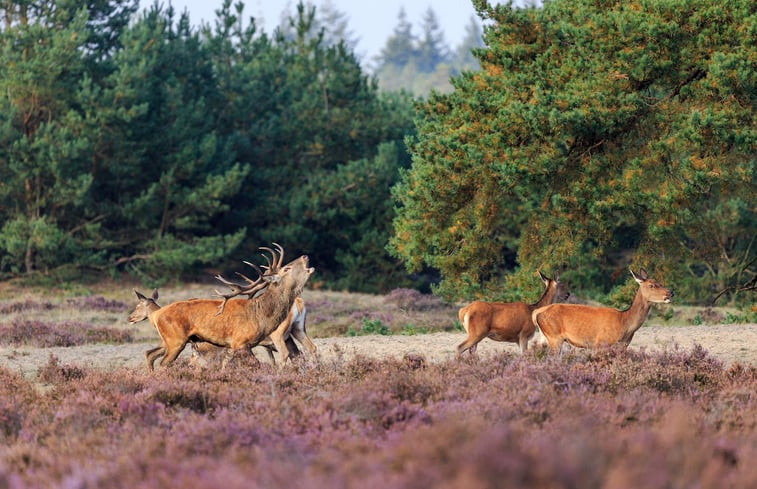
(633, 317)
(274, 304)
(547, 297)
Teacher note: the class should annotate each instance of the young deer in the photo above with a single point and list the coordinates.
(235, 324)
(509, 321)
(591, 327)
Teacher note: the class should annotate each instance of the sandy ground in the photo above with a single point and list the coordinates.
(728, 342)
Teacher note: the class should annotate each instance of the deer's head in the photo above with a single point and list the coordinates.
(555, 287)
(144, 307)
(650, 289)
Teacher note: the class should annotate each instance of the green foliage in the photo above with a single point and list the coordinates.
(595, 136)
(412, 330)
(346, 211)
(370, 326)
(44, 151)
(159, 149)
(743, 317)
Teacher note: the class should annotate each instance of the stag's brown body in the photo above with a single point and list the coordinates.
(591, 327)
(292, 326)
(506, 321)
(235, 323)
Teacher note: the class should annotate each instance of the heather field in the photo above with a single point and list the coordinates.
(385, 404)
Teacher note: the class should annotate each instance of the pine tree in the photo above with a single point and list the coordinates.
(464, 59)
(400, 47)
(431, 49)
(594, 136)
(44, 153)
(335, 24)
(179, 174)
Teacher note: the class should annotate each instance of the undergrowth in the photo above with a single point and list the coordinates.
(611, 418)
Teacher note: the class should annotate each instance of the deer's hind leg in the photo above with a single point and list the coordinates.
(299, 333)
(152, 354)
(476, 333)
(172, 352)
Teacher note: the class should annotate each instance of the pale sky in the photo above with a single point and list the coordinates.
(370, 22)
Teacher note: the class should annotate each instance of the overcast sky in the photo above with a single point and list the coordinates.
(370, 22)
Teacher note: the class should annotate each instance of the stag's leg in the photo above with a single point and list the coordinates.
(227, 357)
(152, 354)
(278, 340)
(172, 352)
(270, 349)
(476, 332)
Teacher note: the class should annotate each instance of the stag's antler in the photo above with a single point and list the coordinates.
(273, 266)
(253, 286)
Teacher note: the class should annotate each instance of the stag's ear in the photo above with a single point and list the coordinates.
(543, 277)
(140, 296)
(155, 296)
(272, 279)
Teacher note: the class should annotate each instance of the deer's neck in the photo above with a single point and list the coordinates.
(633, 317)
(546, 298)
(271, 307)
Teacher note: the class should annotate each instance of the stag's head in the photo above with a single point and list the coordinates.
(144, 307)
(651, 289)
(553, 285)
(294, 275)
(290, 277)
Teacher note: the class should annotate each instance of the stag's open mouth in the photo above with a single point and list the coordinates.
(306, 260)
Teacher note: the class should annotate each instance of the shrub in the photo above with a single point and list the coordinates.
(67, 333)
(612, 418)
(97, 303)
(25, 305)
(412, 300)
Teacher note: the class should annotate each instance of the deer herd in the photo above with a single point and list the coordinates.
(272, 316)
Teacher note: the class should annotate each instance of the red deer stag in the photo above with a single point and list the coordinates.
(509, 321)
(292, 327)
(591, 327)
(201, 350)
(242, 323)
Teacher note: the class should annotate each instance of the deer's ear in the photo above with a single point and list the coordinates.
(155, 295)
(140, 296)
(272, 279)
(543, 277)
(642, 276)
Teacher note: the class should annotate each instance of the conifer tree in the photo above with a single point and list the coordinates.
(594, 136)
